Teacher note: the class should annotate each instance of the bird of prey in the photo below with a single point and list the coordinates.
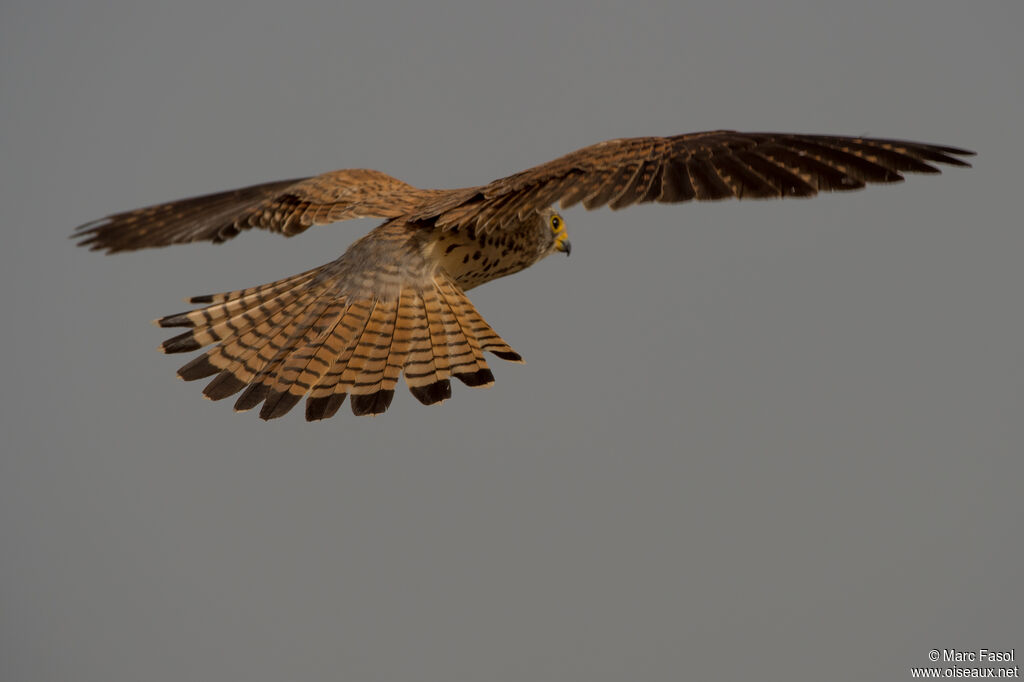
(394, 302)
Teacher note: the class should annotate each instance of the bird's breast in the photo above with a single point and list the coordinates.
(473, 258)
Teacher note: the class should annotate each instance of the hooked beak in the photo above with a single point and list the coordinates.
(564, 246)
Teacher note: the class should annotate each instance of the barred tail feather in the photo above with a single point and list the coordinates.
(233, 303)
(325, 397)
(305, 336)
(467, 360)
(426, 374)
(475, 325)
(271, 385)
(364, 372)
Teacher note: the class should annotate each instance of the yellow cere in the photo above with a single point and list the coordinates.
(561, 236)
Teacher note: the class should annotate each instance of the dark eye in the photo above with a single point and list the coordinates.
(555, 222)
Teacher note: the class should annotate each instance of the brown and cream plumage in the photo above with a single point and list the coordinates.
(394, 303)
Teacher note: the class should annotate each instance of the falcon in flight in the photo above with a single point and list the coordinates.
(395, 302)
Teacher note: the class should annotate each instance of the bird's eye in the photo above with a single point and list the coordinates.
(556, 223)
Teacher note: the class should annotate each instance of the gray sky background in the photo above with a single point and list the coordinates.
(757, 440)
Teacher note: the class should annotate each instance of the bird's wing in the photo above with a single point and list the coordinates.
(698, 166)
(286, 207)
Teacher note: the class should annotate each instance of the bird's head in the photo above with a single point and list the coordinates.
(556, 237)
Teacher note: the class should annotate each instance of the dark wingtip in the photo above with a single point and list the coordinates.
(434, 393)
(323, 408)
(481, 377)
(87, 234)
(371, 403)
(205, 298)
(956, 150)
(90, 226)
(942, 154)
(953, 161)
(96, 236)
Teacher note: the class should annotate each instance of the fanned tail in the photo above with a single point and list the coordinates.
(431, 333)
(305, 335)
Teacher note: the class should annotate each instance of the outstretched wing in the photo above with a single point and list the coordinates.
(699, 166)
(286, 207)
